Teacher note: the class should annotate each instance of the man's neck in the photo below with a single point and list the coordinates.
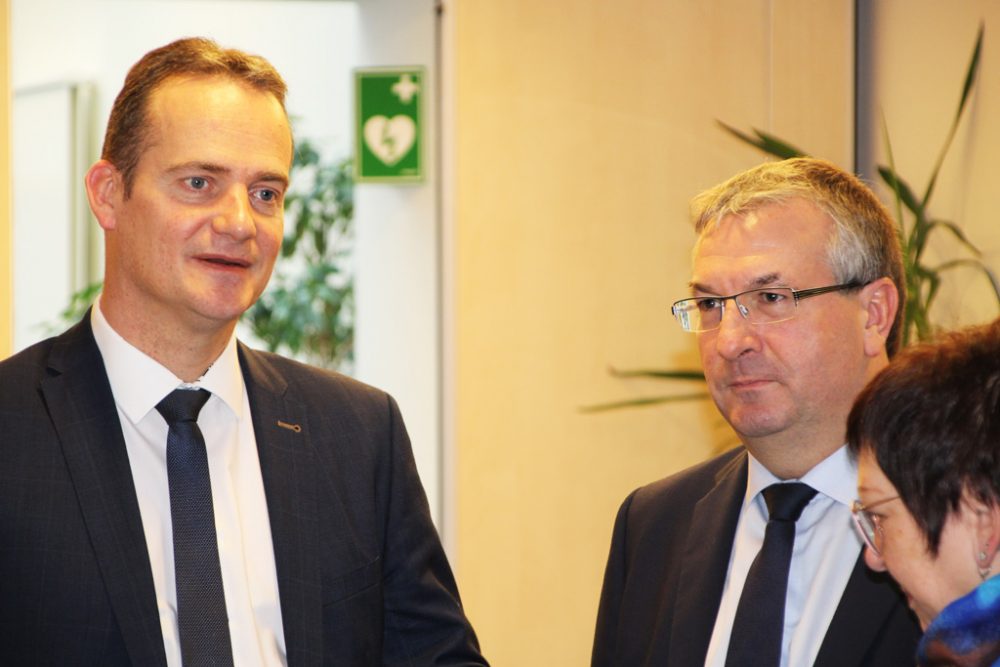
(186, 352)
(791, 457)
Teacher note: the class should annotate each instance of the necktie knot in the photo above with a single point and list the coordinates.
(785, 502)
(183, 405)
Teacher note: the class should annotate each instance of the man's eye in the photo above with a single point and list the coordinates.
(771, 297)
(197, 182)
(707, 305)
(269, 197)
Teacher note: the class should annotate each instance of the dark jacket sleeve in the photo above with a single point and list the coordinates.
(608, 611)
(424, 620)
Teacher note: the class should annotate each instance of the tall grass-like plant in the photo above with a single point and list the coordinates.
(923, 279)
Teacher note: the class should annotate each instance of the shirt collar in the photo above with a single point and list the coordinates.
(834, 477)
(139, 382)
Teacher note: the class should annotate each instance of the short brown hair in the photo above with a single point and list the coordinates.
(865, 245)
(128, 127)
(931, 418)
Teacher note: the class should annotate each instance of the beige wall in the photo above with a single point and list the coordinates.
(5, 183)
(582, 128)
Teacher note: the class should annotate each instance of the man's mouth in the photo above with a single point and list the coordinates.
(748, 383)
(220, 260)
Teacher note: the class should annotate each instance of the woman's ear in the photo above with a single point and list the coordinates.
(881, 302)
(985, 518)
(105, 190)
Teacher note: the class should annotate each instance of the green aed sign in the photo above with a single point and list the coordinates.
(389, 121)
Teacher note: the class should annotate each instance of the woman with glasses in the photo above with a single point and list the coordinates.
(926, 432)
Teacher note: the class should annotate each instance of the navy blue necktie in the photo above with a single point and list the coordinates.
(201, 603)
(760, 616)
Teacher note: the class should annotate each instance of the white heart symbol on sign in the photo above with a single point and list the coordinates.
(390, 138)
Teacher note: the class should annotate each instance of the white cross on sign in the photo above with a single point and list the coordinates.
(405, 89)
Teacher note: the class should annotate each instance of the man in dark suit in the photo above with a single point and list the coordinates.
(326, 554)
(796, 300)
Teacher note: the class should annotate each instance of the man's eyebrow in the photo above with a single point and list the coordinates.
(698, 287)
(213, 168)
(765, 280)
(210, 167)
(273, 176)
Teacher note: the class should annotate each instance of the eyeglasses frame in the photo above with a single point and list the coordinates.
(798, 295)
(862, 516)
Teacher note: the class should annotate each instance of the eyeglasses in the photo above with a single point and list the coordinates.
(868, 524)
(765, 305)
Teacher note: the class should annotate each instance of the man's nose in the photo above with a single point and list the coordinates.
(235, 215)
(735, 334)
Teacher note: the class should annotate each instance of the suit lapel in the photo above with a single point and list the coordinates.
(703, 570)
(868, 601)
(82, 408)
(288, 467)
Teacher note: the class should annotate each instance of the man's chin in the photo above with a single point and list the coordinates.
(216, 315)
(756, 422)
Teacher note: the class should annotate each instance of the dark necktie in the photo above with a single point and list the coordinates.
(760, 616)
(201, 604)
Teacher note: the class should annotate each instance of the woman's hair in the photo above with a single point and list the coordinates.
(931, 419)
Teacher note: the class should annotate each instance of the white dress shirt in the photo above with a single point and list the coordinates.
(825, 553)
(246, 554)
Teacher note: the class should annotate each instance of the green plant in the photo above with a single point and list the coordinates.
(923, 280)
(79, 302)
(308, 308)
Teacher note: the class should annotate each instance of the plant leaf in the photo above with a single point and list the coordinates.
(979, 266)
(659, 374)
(643, 402)
(777, 147)
(765, 142)
(957, 232)
(745, 138)
(970, 75)
(970, 82)
(905, 193)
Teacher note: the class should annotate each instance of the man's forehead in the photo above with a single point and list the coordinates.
(796, 223)
(779, 243)
(247, 110)
(794, 212)
(202, 93)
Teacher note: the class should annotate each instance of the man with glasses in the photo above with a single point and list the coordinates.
(751, 558)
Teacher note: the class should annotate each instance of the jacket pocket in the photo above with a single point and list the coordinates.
(338, 589)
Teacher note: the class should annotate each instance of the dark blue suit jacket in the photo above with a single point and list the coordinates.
(362, 577)
(664, 580)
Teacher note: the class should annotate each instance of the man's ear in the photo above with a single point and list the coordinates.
(881, 302)
(105, 191)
